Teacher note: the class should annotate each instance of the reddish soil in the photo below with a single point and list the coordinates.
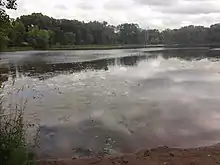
(159, 156)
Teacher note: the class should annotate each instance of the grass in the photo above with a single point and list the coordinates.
(13, 145)
(83, 47)
(77, 47)
(109, 47)
(15, 49)
(94, 47)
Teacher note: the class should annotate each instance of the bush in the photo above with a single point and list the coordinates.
(38, 39)
(13, 145)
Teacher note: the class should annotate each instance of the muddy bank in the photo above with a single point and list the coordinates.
(158, 156)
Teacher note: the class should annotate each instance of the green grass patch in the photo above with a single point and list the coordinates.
(15, 49)
(14, 149)
(94, 47)
(82, 47)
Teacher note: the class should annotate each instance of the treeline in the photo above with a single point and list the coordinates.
(41, 32)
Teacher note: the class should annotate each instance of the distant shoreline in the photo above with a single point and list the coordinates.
(84, 47)
(110, 47)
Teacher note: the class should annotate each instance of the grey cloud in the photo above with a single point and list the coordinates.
(153, 13)
(60, 6)
(166, 21)
(176, 21)
(182, 6)
(85, 5)
(190, 9)
(200, 0)
(21, 9)
(156, 2)
(116, 5)
(205, 20)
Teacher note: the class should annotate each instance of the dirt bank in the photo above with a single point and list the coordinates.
(159, 156)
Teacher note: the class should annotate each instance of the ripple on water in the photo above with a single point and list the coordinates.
(153, 102)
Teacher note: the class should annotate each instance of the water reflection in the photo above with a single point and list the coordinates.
(42, 69)
(119, 101)
(45, 64)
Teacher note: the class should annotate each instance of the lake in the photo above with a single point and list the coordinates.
(108, 102)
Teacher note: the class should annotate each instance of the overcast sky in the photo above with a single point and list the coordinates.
(147, 13)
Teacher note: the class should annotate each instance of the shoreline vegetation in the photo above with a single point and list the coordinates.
(83, 47)
(40, 32)
(109, 47)
(14, 146)
(14, 149)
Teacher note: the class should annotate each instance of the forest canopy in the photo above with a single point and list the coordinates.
(41, 32)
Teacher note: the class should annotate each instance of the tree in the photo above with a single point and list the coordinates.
(37, 19)
(8, 4)
(186, 35)
(154, 36)
(128, 33)
(168, 36)
(4, 21)
(41, 31)
(214, 33)
(69, 38)
(39, 39)
(17, 33)
(4, 26)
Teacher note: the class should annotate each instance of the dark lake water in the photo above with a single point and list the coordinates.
(117, 101)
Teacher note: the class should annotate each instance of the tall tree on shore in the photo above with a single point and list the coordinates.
(41, 31)
(128, 33)
(17, 33)
(5, 21)
(38, 38)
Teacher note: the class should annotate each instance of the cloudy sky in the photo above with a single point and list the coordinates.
(147, 13)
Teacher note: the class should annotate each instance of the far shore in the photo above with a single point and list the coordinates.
(110, 47)
(83, 47)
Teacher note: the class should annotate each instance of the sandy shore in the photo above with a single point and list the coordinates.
(158, 156)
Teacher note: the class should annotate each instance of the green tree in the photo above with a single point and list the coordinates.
(69, 32)
(17, 33)
(8, 4)
(69, 38)
(4, 26)
(39, 39)
(128, 33)
(4, 21)
(214, 33)
(168, 36)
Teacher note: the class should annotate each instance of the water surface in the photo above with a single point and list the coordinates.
(117, 101)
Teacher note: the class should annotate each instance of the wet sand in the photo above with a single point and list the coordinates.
(158, 156)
